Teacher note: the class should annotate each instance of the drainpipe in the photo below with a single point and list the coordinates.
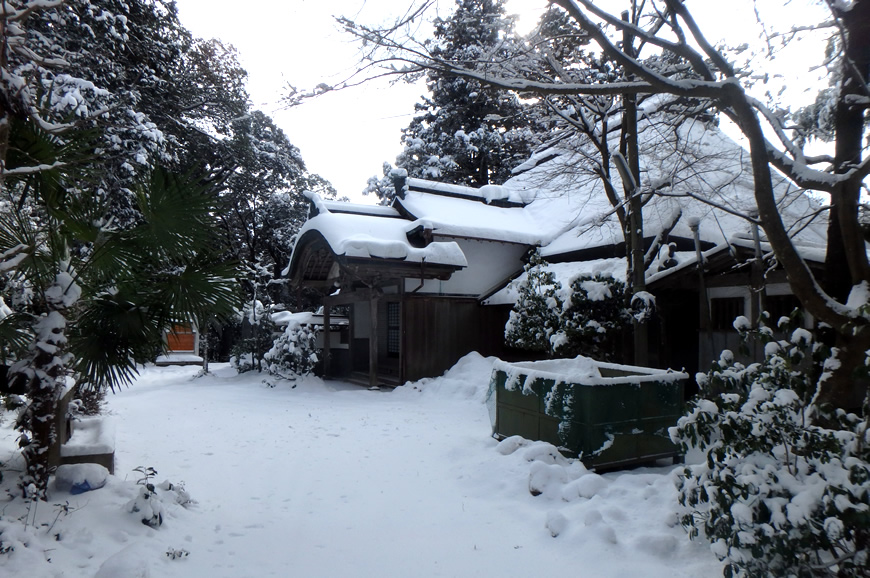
(422, 279)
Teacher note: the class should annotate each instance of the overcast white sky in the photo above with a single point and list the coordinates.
(346, 136)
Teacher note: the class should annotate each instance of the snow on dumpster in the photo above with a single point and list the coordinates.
(606, 414)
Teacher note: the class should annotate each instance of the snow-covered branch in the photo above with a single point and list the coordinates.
(12, 14)
(32, 169)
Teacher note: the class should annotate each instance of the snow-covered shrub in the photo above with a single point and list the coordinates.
(535, 317)
(777, 494)
(294, 352)
(257, 335)
(587, 318)
(89, 401)
(149, 503)
(594, 320)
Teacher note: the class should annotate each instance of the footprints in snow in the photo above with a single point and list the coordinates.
(577, 496)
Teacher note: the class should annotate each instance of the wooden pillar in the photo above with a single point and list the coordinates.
(327, 345)
(373, 340)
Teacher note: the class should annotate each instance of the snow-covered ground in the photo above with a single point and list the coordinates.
(328, 479)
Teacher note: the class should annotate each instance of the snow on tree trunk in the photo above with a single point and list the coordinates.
(46, 374)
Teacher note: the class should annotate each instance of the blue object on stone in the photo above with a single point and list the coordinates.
(82, 487)
(80, 478)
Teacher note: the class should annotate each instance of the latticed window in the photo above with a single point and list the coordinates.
(781, 306)
(723, 311)
(393, 334)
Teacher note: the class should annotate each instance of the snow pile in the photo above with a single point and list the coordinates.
(91, 435)
(467, 380)
(80, 478)
(5, 311)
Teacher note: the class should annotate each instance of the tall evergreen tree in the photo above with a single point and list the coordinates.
(100, 250)
(465, 132)
(165, 98)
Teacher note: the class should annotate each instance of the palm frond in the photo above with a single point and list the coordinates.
(199, 290)
(43, 162)
(15, 336)
(111, 335)
(177, 212)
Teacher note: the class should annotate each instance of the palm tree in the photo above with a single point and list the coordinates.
(93, 299)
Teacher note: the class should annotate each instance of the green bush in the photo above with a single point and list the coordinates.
(777, 495)
(588, 318)
(535, 317)
(257, 336)
(294, 353)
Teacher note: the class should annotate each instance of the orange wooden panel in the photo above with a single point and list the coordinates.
(180, 338)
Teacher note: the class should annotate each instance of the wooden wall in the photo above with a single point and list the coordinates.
(438, 331)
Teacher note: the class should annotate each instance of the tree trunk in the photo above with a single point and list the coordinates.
(846, 260)
(635, 253)
(44, 375)
(203, 336)
(843, 388)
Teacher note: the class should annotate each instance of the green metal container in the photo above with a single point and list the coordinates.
(608, 415)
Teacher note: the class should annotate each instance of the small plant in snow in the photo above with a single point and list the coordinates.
(146, 473)
(148, 505)
(294, 353)
(777, 495)
(62, 510)
(174, 554)
(150, 501)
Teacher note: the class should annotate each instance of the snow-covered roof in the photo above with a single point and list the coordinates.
(460, 217)
(490, 194)
(359, 209)
(699, 176)
(371, 236)
(691, 158)
(685, 260)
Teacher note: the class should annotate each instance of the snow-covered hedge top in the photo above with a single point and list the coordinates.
(565, 274)
(305, 318)
(585, 371)
(378, 237)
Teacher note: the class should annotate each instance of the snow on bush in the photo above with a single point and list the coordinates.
(258, 334)
(587, 318)
(294, 353)
(778, 495)
(149, 503)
